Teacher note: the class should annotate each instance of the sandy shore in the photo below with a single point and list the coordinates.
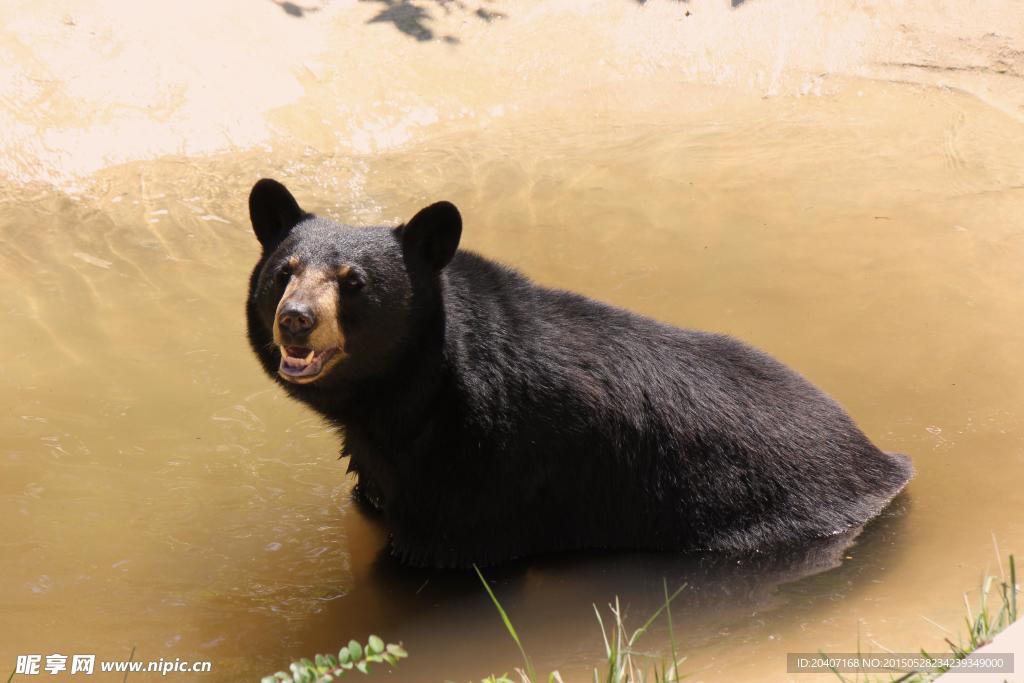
(101, 82)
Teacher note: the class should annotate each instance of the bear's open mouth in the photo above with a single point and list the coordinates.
(303, 364)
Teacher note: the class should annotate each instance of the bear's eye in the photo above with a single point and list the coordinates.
(284, 275)
(352, 283)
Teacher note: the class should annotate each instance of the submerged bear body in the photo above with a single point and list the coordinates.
(490, 418)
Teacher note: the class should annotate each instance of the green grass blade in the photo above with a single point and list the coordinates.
(131, 656)
(671, 633)
(1013, 589)
(508, 624)
(654, 617)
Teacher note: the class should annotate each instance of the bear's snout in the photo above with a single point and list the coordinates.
(296, 318)
(307, 330)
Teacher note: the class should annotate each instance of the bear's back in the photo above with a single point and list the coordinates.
(738, 442)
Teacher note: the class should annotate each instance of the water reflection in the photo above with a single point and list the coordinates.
(552, 600)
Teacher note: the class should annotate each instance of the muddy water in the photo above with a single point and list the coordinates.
(158, 492)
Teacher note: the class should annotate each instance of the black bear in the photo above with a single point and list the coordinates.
(488, 418)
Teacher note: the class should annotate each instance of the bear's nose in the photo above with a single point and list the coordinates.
(296, 318)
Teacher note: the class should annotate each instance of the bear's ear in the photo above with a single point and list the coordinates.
(273, 211)
(433, 234)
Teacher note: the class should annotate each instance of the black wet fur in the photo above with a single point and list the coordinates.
(490, 418)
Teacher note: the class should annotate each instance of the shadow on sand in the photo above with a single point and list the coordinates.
(413, 17)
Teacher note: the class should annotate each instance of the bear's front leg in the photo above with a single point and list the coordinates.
(367, 499)
(454, 545)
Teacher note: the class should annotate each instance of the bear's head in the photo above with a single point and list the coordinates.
(330, 301)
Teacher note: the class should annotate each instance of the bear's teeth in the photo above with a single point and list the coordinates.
(296, 361)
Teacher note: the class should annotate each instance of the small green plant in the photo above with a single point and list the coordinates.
(981, 629)
(352, 657)
(982, 626)
(625, 663)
